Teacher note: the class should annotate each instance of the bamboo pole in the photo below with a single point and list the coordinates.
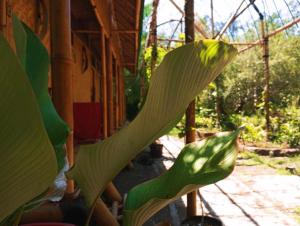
(198, 27)
(120, 97)
(61, 65)
(117, 90)
(110, 101)
(190, 113)
(153, 35)
(273, 33)
(102, 214)
(112, 192)
(267, 76)
(3, 15)
(103, 97)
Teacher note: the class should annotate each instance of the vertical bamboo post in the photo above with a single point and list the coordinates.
(102, 214)
(190, 112)
(103, 97)
(110, 100)
(117, 90)
(61, 65)
(153, 35)
(266, 75)
(120, 96)
(3, 15)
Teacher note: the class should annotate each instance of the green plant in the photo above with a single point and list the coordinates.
(26, 150)
(198, 164)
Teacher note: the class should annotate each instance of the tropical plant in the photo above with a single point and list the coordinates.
(198, 164)
(27, 157)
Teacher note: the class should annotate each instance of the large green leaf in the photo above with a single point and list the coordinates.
(34, 58)
(27, 160)
(198, 164)
(182, 75)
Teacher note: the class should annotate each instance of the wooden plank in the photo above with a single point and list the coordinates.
(62, 65)
(103, 11)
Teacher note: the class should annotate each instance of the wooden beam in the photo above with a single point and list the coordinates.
(103, 12)
(62, 66)
(273, 33)
(97, 32)
(230, 21)
(170, 40)
(125, 31)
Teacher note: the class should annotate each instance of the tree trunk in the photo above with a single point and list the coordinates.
(267, 78)
(190, 113)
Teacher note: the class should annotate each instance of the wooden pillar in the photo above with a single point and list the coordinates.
(3, 15)
(120, 94)
(102, 214)
(190, 112)
(103, 98)
(117, 90)
(110, 100)
(267, 76)
(153, 35)
(61, 65)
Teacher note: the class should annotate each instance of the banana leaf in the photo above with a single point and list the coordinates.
(198, 164)
(27, 159)
(34, 58)
(182, 75)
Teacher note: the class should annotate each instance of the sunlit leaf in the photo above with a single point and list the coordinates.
(198, 164)
(27, 160)
(182, 75)
(35, 60)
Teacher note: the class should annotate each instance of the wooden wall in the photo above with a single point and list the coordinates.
(86, 77)
(88, 64)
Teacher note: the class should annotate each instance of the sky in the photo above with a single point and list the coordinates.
(223, 9)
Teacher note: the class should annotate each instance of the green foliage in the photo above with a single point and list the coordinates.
(184, 73)
(27, 158)
(286, 126)
(198, 164)
(161, 52)
(132, 94)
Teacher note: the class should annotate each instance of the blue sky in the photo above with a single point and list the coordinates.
(223, 9)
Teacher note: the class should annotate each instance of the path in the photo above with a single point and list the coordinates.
(251, 196)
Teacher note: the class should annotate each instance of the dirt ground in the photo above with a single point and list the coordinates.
(253, 195)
